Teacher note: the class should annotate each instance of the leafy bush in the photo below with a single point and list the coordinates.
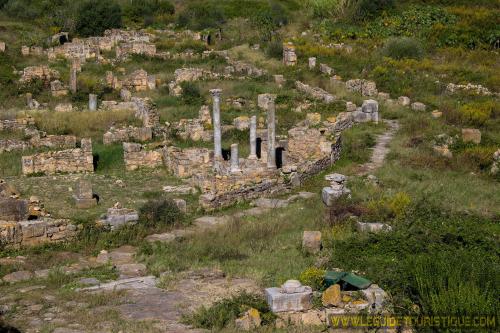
(477, 157)
(95, 16)
(274, 49)
(143, 11)
(389, 207)
(191, 93)
(403, 47)
(370, 8)
(201, 15)
(159, 212)
(227, 310)
(313, 277)
(476, 113)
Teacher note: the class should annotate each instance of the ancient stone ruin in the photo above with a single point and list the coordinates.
(70, 160)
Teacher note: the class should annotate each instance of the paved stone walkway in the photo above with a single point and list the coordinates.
(380, 150)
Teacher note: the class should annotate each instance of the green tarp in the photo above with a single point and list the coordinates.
(342, 278)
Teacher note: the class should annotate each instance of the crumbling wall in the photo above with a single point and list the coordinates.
(70, 160)
(315, 92)
(29, 233)
(364, 87)
(125, 134)
(187, 162)
(137, 156)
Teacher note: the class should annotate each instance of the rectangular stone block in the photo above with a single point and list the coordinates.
(281, 302)
(13, 209)
(85, 203)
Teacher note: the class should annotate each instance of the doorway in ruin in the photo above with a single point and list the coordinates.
(209, 39)
(226, 154)
(63, 39)
(279, 157)
(258, 147)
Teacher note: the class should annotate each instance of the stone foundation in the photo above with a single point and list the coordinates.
(315, 92)
(137, 156)
(364, 87)
(126, 134)
(29, 233)
(71, 160)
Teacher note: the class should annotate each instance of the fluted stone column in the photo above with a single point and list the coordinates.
(216, 121)
(72, 79)
(92, 102)
(253, 138)
(235, 160)
(271, 134)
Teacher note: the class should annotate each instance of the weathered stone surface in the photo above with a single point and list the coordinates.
(315, 92)
(271, 203)
(376, 297)
(136, 156)
(311, 241)
(373, 227)
(404, 101)
(43, 73)
(131, 270)
(241, 123)
(84, 196)
(364, 87)
(18, 276)
(117, 217)
(126, 134)
(325, 69)
(436, 114)
(71, 160)
(471, 135)
(417, 106)
(264, 100)
(313, 119)
(280, 301)
(63, 107)
(332, 296)
(249, 321)
(13, 209)
(289, 56)
(181, 204)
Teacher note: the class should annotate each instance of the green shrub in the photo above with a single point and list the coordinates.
(225, 311)
(95, 16)
(477, 157)
(403, 47)
(476, 113)
(201, 15)
(274, 49)
(313, 277)
(366, 9)
(191, 94)
(143, 11)
(160, 212)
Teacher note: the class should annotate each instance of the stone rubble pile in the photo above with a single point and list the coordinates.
(336, 190)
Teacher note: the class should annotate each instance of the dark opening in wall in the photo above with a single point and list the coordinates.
(226, 154)
(279, 157)
(258, 147)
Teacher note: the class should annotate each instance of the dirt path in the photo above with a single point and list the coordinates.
(380, 150)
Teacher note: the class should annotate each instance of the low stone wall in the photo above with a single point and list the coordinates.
(16, 124)
(29, 233)
(146, 111)
(364, 87)
(70, 160)
(137, 156)
(141, 47)
(315, 92)
(187, 162)
(126, 134)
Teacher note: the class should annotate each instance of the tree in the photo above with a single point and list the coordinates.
(95, 16)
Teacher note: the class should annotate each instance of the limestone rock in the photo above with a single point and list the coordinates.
(332, 296)
(313, 118)
(471, 135)
(299, 299)
(18, 276)
(436, 114)
(249, 321)
(417, 106)
(311, 241)
(373, 227)
(404, 101)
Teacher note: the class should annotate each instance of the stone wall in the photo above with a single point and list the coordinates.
(50, 141)
(138, 156)
(187, 162)
(16, 124)
(146, 111)
(29, 233)
(364, 87)
(43, 73)
(315, 92)
(126, 134)
(70, 160)
(142, 48)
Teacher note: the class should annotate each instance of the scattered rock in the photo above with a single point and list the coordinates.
(332, 296)
(471, 135)
(18, 276)
(373, 227)
(249, 321)
(311, 241)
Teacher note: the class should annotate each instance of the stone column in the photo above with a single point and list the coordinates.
(72, 79)
(29, 99)
(253, 138)
(92, 102)
(235, 160)
(216, 121)
(312, 63)
(271, 134)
